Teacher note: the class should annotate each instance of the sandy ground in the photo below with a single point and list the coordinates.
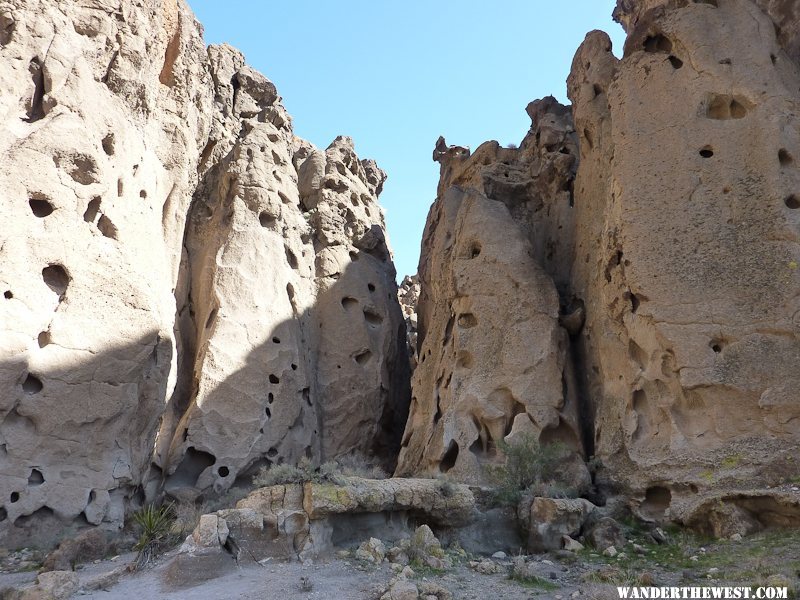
(770, 558)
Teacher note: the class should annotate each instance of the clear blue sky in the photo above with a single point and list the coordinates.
(396, 75)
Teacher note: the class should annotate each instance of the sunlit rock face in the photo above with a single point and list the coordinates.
(627, 280)
(492, 352)
(687, 250)
(189, 290)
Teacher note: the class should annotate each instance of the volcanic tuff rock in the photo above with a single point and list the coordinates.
(492, 354)
(687, 251)
(179, 271)
(673, 248)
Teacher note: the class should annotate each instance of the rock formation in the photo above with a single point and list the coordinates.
(492, 354)
(643, 304)
(687, 250)
(190, 291)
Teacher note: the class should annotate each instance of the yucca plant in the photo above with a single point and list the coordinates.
(155, 524)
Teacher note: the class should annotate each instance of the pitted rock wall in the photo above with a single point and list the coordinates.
(493, 358)
(189, 290)
(688, 249)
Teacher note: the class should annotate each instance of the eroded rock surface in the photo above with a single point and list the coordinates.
(178, 270)
(687, 250)
(669, 257)
(492, 352)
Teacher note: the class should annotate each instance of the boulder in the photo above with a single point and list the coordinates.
(372, 551)
(551, 519)
(606, 533)
(86, 546)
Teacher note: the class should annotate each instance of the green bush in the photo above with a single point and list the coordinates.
(530, 467)
(155, 524)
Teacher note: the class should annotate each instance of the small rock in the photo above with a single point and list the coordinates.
(499, 555)
(736, 537)
(639, 549)
(610, 551)
(571, 544)
(659, 536)
(694, 558)
(372, 551)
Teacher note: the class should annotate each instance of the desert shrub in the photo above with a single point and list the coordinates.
(333, 472)
(355, 465)
(529, 467)
(154, 523)
(155, 532)
(282, 475)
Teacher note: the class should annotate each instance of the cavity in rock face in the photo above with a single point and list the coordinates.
(686, 250)
(155, 245)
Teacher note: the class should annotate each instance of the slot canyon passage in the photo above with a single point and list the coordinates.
(200, 313)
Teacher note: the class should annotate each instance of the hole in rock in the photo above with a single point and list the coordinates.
(449, 458)
(474, 250)
(276, 340)
(108, 144)
(714, 3)
(370, 287)
(8, 295)
(223, 471)
(597, 90)
(291, 258)
(191, 467)
(372, 317)
(32, 385)
(266, 219)
(656, 502)
(306, 393)
(56, 278)
(284, 198)
(657, 43)
(35, 478)
(721, 107)
(707, 152)
(41, 208)
(467, 321)
(294, 367)
(120, 187)
(353, 255)
(676, 62)
(792, 202)
(44, 339)
(107, 227)
(717, 345)
(270, 397)
(588, 137)
(784, 157)
(349, 302)
(268, 412)
(142, 194)
(272, 452)
(274, 379)
(362, 357)
(14, 497)
(91, 210)
(35, 110)
(3, 514)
